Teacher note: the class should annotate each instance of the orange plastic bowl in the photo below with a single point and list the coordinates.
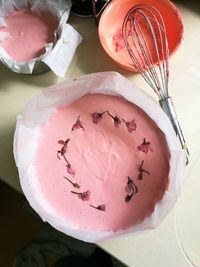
(111, 21)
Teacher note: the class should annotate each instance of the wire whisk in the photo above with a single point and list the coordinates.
(145, 37)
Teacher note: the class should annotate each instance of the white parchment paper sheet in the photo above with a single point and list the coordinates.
(42, 107)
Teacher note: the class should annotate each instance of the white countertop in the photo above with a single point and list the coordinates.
(157, 248)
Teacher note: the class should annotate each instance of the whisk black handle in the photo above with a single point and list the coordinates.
(168, 107)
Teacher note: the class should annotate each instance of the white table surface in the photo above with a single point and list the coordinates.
(160, 247)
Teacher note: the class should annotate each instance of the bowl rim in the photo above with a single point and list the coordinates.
(127, 66)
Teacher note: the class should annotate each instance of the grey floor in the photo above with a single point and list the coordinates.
(28, 242)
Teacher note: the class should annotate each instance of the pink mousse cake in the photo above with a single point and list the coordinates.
(102, 163)
(29, 30)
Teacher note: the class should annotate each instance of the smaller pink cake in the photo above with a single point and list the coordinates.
(29, 31)
(102, 163)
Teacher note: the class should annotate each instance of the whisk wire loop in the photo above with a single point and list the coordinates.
(141, 57)
(145, 37)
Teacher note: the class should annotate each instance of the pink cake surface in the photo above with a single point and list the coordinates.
(29, 30)
(99, 172)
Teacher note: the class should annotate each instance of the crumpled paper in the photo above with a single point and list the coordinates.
(41, 107)
(57, 56)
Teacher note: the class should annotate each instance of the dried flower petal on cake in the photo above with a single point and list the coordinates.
(116, 119)
(145, 146)
(100, 207)
(97, 116)
(75, 185)
(141, 171)
(131, 125)
(77, 125)
(70, 170)
(61, 142)
(128, 186)
(85, 196)
(131, 183)
(62, 151)
(128, 197)
(131, 189)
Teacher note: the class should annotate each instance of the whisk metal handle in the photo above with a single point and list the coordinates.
(168, 107)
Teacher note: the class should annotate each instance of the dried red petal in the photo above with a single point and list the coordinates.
(128, 189)
(63, 151)
(102, 207)
(85, 196)
(145, 147)
(61, 142)
(128, 198)
(117, 121)
(70, 170)
(131, 126)
(141, 171)
(96, 117)
(76, 186)
(77, 125)
(140, 176)
(131, 189)
(130, 181)
(118, 41)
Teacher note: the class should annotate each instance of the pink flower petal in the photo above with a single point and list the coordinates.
(77, 125)
(131, 125)
(85, 196)
(117, 121)
(102, 207)
(61, 142)
(128, 189)
(70, 170)
(145, 147)
(96, 117)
